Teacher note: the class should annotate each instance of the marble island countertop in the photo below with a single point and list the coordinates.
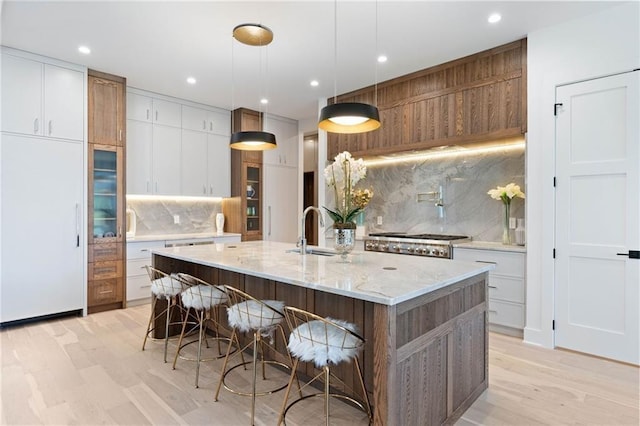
(376, 277)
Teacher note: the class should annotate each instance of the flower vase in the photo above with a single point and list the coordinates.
(345, 239)
(506, 236)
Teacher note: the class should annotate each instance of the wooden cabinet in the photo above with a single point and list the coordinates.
(106, 110)
(506, 286)
(243, 211)
(106, 190)
(45, 99)
(478, 98)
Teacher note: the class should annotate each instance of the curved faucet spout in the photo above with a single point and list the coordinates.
(303, 240)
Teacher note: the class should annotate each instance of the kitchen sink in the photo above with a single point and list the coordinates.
(315, 250)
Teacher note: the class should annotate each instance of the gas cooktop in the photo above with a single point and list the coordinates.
(438, 237)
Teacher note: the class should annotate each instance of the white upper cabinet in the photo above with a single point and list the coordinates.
(194, 118)
(158, 111)
(194, 163)
(166, 160)
(139, 145)
(286, 132)
(219, 122)
(167, 113)
(175, 147)
(219, 165)
(139, 107)
(44, 99)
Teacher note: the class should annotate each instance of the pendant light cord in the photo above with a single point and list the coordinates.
(335, 51)
(375, 89)
(232, 87)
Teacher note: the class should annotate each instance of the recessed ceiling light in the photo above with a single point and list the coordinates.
(191, 80)
(264, 101)
(84, 50)
(494, 17)
(314, 83)
(382, 58)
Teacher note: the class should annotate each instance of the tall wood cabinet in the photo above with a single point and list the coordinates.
(106, 190)
(244, 210)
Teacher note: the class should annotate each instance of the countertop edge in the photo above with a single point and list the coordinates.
(171, 237)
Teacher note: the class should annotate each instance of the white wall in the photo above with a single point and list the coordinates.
(597, 45)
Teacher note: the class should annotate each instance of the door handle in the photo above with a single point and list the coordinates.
(269, 208)
(77, 225)
(633, 254)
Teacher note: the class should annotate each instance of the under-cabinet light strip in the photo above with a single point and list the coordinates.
(449, 152)
(140, 197)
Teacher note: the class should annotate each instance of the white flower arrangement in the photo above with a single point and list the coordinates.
(343, 175)
(506, 193)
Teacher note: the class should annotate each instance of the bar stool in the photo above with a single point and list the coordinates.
(163, 287)
(204, 299)
(262, 318)
(325, 342)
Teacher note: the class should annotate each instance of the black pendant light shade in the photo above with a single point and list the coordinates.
(349, 117)
(253, 141)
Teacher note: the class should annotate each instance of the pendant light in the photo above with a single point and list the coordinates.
(257, 140)
(348, 117)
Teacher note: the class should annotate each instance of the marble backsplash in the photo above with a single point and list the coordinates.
(156, 216)
(464, 179)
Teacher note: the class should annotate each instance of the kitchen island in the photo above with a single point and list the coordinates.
(424, 319)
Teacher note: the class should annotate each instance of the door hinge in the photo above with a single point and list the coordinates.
(555, 108)
(554, 253)
(553, 324)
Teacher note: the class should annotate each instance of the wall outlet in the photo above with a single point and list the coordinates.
(176, 219)
(379, 220)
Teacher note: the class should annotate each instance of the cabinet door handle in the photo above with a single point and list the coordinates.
(77, 224)
(486, 261)
(119, 231)
(493, 311)
(144, 250)
(492, 286)
(156, 187)
(204, 124)
(269, 209)
(204, 189)
(211, 126)
(36, 125)
(210, 189)
(50, 126)
(120, 135)
(147, 113)
(156, 115)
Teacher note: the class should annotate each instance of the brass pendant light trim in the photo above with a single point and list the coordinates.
(253, 34)
(253, 141)
(349, 109)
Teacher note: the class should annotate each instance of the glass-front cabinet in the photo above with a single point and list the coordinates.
(253, 205)
(107, 191)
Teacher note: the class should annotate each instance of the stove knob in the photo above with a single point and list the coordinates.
(384, 247)
(368, 246)
(423, 250)
(410, 249)
(442, 253)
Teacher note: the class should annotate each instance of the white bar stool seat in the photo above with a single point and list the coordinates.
(262, 318)
(325, 342)
(204, 300)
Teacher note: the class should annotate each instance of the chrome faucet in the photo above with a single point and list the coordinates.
(302, 242)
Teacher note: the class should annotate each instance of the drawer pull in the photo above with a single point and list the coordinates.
(144, 250)
(145, 286)
(486, 261)
(106, 292)
(493, 311)
(492, 286)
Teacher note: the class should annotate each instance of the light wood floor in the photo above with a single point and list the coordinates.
(91, 371)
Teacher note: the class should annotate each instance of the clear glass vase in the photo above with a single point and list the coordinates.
(345, 240)
(506, 236)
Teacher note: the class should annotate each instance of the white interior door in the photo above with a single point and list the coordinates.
(597, 214)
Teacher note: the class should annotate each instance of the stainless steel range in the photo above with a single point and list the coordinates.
(430, 245)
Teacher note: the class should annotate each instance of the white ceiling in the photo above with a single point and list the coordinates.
(157, 45)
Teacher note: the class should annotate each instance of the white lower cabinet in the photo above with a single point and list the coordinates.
(506, 286)
(138, 284)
